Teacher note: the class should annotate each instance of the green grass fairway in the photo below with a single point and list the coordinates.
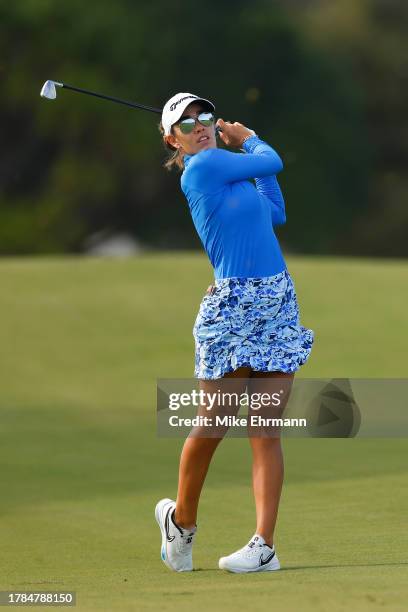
(82, 344)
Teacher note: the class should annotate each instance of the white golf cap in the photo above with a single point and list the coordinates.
(174, 108)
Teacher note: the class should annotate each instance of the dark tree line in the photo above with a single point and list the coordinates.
(324, 83)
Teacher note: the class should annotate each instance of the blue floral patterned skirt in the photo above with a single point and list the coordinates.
(251, 322)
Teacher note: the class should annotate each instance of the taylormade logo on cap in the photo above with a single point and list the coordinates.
(175, 104)
(174, 108)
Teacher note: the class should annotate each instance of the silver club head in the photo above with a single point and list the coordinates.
(49, 91)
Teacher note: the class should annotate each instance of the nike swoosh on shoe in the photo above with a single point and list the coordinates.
(263, 561)
(166, 524)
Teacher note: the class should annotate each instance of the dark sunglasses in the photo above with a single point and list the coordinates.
(187, 124)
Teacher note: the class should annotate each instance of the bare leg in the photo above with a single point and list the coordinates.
(197, 453)
(267, 458)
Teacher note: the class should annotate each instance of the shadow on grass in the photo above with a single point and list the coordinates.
(309, 567)
(312, 567)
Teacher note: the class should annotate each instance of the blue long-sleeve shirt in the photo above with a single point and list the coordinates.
(233, 217)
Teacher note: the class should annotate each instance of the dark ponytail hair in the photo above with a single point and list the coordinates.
(175, 156)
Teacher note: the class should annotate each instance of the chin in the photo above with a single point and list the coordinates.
(207, 145)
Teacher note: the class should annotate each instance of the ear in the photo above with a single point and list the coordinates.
(172, 141)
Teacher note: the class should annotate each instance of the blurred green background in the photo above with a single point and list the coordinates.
(323, 82)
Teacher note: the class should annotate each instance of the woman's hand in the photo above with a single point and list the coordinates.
(233, 134)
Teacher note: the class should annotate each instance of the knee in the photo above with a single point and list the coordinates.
(202, 440)
(267, 443)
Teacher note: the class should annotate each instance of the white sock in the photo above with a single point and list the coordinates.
(256, 540)
(260, 541)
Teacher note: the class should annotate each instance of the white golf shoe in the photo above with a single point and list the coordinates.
(177, 543)
(256, 556)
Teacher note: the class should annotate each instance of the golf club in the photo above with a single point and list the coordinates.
(49, 91)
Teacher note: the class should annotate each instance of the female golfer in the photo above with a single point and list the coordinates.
(247, 331)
